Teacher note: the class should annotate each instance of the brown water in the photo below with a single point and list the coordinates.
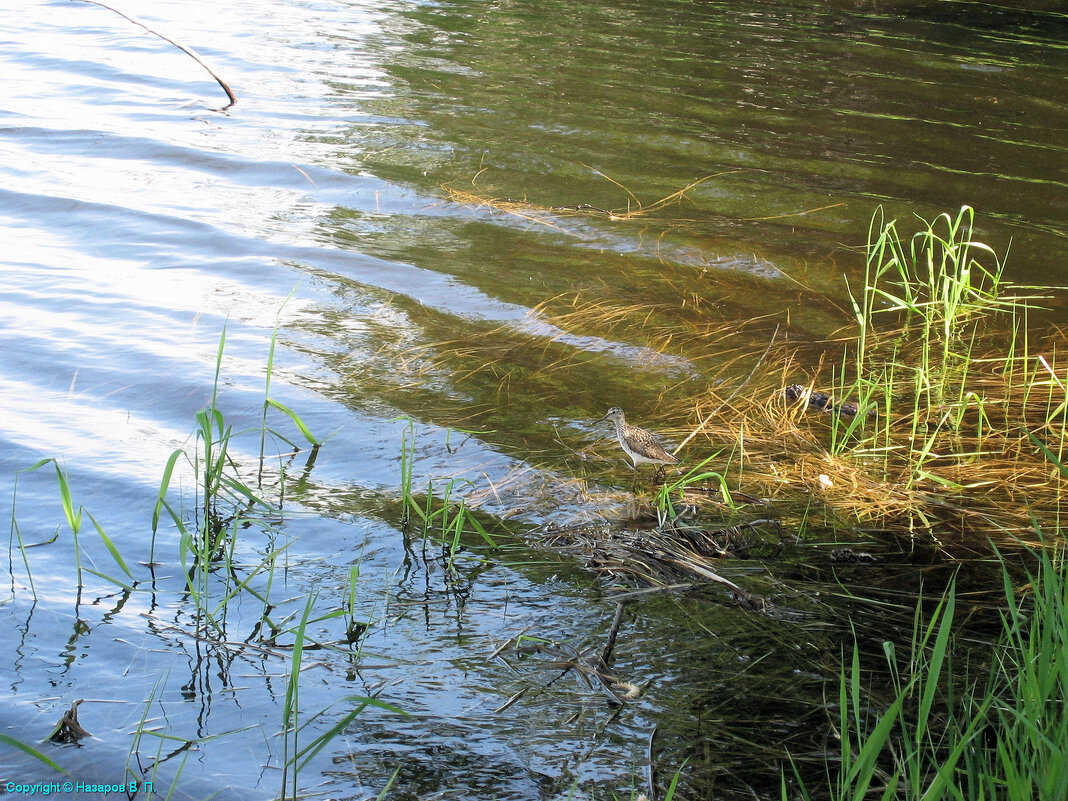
(357, 171)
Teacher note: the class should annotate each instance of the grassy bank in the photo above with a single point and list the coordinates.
(954, 728)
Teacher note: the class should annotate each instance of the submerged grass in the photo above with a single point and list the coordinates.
(227, 503)
(546, 215)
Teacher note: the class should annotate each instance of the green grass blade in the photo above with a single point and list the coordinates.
(670, 794)
(28, 749)
(862, 771)
(164, 485)
(74, 519)
(109, 579)
(110, 546)
(16, 535)
(938, 657)
(292, 415)
(218, 366)
(1049, 454)
(389, 784)
(480, 530)
(320, 742)
(289, 710)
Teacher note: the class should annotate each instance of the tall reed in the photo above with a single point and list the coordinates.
(953, 390)
(934, 292)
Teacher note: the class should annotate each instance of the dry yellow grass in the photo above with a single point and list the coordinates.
(543, 214)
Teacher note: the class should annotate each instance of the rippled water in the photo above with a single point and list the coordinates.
(345, 198)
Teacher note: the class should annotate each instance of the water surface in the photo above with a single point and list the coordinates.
(346, 198)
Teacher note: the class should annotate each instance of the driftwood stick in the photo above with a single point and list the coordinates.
(186, 50)
(610, 644)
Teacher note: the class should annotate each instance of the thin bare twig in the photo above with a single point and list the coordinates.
(793, 213)
(186, 50)
(610, 643)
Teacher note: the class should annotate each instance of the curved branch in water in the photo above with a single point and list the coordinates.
(186, 50)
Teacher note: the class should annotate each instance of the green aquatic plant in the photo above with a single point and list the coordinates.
(74, 517)
(226, 502)
(216, 574)
(951, 729)
(407, 463)
(1029, 686)
(15, 536)
(270, 402)
(221, 492)
(908, 748)
(943, 278)
(668, 495)
(1049, 454)
(295, 755)
(445, 519)
(291, 705)
(167, 746)
(440, 515)
(950, 387)
(918, 317)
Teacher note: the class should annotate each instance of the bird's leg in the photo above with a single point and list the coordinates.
(636, 476)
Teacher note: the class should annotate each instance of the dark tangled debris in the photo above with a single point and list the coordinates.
(68, 729)
(591, 666)
(848, 555)
(667, 556)
(822, 402)
(664, 558)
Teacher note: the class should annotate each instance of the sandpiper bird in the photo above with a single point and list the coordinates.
(639, 444)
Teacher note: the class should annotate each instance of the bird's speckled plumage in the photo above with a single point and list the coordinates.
(639, 444)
